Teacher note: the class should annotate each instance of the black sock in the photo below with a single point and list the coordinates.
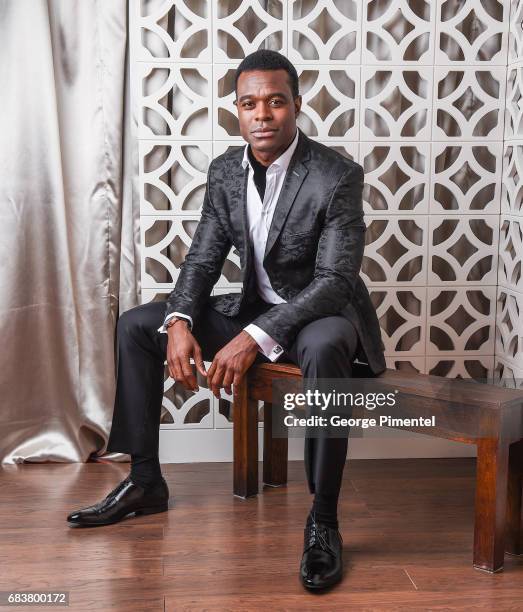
(325, 509)
(145, 471)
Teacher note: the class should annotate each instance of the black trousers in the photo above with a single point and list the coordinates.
(323, 349)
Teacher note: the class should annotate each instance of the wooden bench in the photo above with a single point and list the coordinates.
(466, 411)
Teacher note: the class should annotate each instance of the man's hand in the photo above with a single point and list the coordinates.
(181, 346)
(231, 362)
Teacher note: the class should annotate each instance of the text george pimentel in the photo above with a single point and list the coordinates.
(338, 421)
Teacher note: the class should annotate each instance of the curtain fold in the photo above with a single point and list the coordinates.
(69, 228)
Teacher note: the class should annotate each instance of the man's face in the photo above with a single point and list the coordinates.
(266, 110)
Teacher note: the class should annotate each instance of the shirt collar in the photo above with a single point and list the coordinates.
(282, 161)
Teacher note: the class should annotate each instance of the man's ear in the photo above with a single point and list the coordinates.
(297, 105)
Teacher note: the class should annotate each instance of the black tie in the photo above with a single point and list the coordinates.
(260, 174)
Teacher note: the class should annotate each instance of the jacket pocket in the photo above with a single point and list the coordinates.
(296, 237)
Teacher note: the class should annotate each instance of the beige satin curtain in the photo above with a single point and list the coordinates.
(69, 228)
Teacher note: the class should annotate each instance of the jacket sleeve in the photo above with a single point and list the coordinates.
(337, 266)
(203, 263)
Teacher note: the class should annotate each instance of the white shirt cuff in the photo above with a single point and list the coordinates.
(268, 346)
(163, 329)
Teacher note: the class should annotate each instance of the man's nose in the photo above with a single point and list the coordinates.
(263, 112)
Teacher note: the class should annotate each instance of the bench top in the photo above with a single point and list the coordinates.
(453, 390)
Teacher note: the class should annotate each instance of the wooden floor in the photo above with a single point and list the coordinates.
(407, 528)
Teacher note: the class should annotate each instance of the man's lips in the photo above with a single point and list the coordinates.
(264, 133)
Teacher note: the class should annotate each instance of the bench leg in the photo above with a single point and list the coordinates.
(514, 532)
(274, 452)
(491, 503)
(245, 433)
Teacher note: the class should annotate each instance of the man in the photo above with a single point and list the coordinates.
(292, 208)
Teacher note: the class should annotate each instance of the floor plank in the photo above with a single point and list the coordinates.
(407, 528)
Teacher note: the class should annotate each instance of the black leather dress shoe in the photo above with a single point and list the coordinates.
(126, 498)
(321, 564)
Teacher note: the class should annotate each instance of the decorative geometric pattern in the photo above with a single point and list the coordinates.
(466, 103)
(174, 103)
(170, 31)
(329, 102)
(398, 32)
(515, 43)
(395, 103)
(243, 26)
(512, 186)
(173, 176)
(402, 315)
(472, 31)
(509, 326)
(514, 107)
(396, 178)
(460, 320)
(466, 178)
(463, 250)
(395, 250)
(324, 31)
(511, 253)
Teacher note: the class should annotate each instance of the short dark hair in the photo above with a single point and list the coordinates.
(265, 59)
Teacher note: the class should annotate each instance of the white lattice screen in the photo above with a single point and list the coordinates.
(414, 91)
(509, 319)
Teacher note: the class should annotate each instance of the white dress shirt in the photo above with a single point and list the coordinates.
(259, 218)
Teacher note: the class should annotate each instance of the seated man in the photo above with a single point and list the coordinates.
(292, 207)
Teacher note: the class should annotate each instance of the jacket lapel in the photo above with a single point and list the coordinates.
(294, 177)
(236, 188)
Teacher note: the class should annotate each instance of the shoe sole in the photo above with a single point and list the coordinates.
(152, 509)
(328, 585)
(139, 512)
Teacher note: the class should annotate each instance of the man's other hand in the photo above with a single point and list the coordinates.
(231, 362)
(181, 346)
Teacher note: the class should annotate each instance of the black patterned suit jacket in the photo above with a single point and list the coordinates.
(313, 254)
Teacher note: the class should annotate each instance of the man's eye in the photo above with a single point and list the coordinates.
(276, 101)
